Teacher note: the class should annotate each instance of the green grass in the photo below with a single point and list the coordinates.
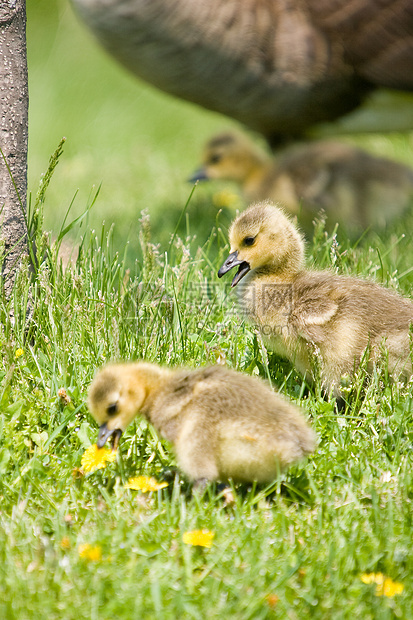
(306, 539)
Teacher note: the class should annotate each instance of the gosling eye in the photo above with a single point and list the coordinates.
(214, 159)
(112, 409)
(249, 241)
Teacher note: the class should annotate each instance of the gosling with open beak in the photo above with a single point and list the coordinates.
(105, 433)
(231, 262)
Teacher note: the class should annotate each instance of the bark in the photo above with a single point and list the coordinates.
(14, 101)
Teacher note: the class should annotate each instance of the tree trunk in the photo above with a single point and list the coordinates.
(14, 100)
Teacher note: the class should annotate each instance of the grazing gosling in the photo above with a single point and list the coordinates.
(223, 424)
(302, 312)
(353, 188)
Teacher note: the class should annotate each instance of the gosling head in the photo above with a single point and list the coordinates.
(230, 157)
(116, 396)
(264, 239)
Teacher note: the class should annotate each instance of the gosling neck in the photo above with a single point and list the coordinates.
(153, 379)
(283, 268)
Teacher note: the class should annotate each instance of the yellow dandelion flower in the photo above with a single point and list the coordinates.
(272, 600)
(96, 458)
(372, 578)
(225, 199)
(198, 538)
(385, 586)
(92, 553)
(65, 542)
(144, 484)
(18, 353)
(390, 588)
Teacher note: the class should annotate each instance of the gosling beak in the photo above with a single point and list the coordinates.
(231, 262)
(105, 433)
(199, 175)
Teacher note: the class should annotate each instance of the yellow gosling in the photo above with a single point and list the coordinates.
(354, 189)
(303, 313)
(222, 424)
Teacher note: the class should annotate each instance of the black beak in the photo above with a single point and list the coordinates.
(105, 433)
(231, 262)
(199, 175)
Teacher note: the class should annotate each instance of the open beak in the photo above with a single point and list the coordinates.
(105, 433)
(231, 262)
(199, 175)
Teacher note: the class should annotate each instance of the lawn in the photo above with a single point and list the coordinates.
(80, 545)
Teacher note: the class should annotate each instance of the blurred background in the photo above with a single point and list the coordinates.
(139, 144)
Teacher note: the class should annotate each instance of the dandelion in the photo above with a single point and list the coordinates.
(368, 578)
(19, 353)
(198, 538)
(65, 542)
(385, 586)
(96, 458)
(92, 553)
(272, 600)
(144, 484)
(225, 199)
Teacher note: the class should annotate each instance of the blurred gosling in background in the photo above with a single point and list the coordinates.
(354, 189)
(307, 315)
(223, 424)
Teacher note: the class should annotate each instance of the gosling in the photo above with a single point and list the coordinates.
(354, 189)
(222, 424)
(313, 317)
